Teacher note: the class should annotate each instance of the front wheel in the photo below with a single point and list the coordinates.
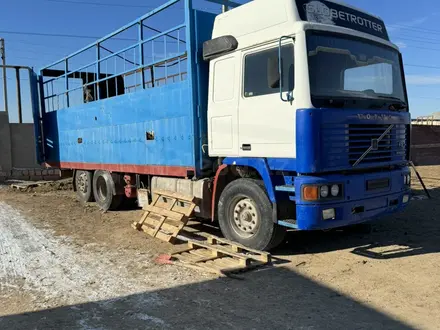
(245, 215)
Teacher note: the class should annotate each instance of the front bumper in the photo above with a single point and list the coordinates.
(309, 217)
(358, 203)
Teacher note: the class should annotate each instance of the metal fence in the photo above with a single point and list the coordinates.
(426, 121)
(18, 93)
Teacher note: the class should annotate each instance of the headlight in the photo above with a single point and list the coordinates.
(335, 190)
(314, 192)
(324, 191)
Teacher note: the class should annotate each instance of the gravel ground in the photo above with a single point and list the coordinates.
(65, 266)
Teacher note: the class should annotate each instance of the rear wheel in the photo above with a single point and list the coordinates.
(245, 215)
(84, 186)
(104, 191)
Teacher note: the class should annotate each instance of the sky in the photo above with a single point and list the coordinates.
(414, 26)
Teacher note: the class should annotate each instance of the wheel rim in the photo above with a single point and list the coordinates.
(102, 188)
(245, 219)
(82, 183)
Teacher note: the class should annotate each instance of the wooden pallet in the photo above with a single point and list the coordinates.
(166, 216)
(26, 185)
(220, 256)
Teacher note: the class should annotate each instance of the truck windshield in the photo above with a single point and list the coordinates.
(354, 73)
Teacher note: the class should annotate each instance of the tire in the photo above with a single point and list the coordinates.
(278, 237)
(103, 190)
(245, 215)
(84, 186)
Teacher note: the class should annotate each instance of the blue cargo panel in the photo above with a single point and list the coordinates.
(114, 131)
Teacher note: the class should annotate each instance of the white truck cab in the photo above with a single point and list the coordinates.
(308, 97)
(246, 116)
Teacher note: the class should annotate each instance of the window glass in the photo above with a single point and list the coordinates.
(261, 72)
(375, 77)
(347, 67)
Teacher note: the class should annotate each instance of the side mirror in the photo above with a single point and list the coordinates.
(273, 73)
(219, 46)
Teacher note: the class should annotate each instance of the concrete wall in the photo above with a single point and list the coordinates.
(18, 155)
(5, 144)
(425, 145)
(23, 146)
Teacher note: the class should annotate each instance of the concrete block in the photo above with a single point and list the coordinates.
(36, 178)
(45, 172)
(54, 172)
(51, 178)
(17, 173)
(24, 178)
(4, 176)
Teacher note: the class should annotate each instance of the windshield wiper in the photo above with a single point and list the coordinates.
(343, 102)
(398, 106)
(330, 101)
(377, 106)
(395, 106)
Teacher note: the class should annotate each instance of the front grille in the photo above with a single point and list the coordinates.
(344, 144)
(360, 139)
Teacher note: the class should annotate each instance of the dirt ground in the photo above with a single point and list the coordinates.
(68, 266)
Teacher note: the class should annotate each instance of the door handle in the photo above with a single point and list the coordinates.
(246, 147)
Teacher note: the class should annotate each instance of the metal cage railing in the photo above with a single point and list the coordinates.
(149, 62)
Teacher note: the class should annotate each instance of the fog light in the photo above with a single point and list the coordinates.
(405, 199)
(328, 214)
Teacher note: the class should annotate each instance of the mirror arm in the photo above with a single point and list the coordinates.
(289, 96)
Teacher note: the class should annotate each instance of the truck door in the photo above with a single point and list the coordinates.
(266, 123)
(223, 106)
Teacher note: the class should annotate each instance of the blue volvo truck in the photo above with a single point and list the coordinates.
(275, 115)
